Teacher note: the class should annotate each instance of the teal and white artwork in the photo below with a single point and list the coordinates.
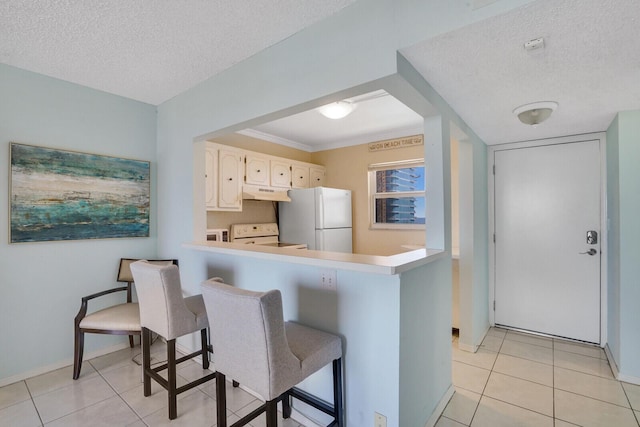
(65, 195)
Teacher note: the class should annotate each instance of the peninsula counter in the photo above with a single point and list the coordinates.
(393, 313)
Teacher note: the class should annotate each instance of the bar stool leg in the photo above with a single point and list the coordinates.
(286, 405)
(171, 379)
(205, 349)
(272, 413)
(221, 400)
(337, 392)
(146, 360)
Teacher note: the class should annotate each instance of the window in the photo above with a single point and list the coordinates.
(397, 195)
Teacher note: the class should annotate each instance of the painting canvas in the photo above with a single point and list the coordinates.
(65, 195)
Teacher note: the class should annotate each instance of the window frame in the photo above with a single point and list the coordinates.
(374, 195)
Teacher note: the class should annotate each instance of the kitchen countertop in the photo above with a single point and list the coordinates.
(390, 265)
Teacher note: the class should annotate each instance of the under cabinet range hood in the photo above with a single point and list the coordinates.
(250, 192)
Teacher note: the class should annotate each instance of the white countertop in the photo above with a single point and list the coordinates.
(394, 264)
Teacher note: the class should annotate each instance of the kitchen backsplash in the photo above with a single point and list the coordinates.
(253, 211)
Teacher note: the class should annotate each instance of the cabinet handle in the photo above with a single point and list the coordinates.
(281, 173)
(258, 170)
(230, 179)
(301, 177)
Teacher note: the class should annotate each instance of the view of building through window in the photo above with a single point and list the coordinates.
(399, 196)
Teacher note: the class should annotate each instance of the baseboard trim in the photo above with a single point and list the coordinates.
(433, 419)
(612, 361)
(616, 371)
(61, 364)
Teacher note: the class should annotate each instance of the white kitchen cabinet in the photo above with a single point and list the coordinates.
(316, 176)
(211, 182)
(299, 176)
(231, 168)
(224, 171)
(281, 173)
(256, 170)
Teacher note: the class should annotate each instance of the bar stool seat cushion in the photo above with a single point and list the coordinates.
(315, 349)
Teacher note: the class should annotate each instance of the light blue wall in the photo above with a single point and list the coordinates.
(480, 261)
(613, 244)
(624, 234)
(41, 283)
(425, 364)
(480, 285)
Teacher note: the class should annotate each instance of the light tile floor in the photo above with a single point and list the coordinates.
(518, 379)
(513, 380)
(109, 393)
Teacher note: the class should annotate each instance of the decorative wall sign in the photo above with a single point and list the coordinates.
(65, 195)
(389, 144)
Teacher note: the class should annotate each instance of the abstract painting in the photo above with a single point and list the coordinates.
(65, 195)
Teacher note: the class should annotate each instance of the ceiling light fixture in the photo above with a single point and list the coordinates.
(337, 110)
(536, 112)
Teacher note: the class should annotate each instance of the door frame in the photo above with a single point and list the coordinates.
(601, 138)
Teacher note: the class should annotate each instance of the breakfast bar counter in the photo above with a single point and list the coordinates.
(392, 312)
(393, 264)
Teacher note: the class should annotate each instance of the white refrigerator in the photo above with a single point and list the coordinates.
(320, 217)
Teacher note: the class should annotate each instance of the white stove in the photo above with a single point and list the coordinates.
(265, 234)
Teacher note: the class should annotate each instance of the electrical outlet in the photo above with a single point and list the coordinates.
(328, 280)
(379, 420)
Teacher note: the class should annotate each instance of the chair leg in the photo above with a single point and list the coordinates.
(286, 405)
(272, 413)
(205, 349)
(221, 400)
(131, 343)
(145, 338)
(171, 378)
(77, 353)
(337, 392)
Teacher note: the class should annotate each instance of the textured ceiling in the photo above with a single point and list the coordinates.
(590, 66)
(148, 50)
(152, 50)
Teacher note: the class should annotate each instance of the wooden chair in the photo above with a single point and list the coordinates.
(120, 319)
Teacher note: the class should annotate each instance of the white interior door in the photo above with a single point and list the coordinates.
(546, 200)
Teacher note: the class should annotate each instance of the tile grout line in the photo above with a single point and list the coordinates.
(490, 372)
(33, 402)
(624, 390)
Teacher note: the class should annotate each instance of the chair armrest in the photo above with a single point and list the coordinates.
(85, 301)
(99, 294)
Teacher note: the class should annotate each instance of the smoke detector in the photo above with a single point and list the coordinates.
(534, 44)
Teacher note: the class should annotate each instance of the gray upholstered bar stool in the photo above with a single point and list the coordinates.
(255, 346)
(166, 312)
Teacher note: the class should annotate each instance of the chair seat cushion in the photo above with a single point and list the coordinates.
(195, 304)
(121, 317)
(315, 349)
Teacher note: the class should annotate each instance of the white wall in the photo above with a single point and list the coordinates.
(41, 283)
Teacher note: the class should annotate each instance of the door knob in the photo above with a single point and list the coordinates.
(591, 252)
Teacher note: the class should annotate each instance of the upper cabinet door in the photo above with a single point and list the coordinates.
(316, 176)
(299, 176)
(280, 174)
(211, 183)
(256, 170)
(230, 180)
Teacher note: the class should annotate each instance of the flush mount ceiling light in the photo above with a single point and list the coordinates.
(337, 110)
(536, 112)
